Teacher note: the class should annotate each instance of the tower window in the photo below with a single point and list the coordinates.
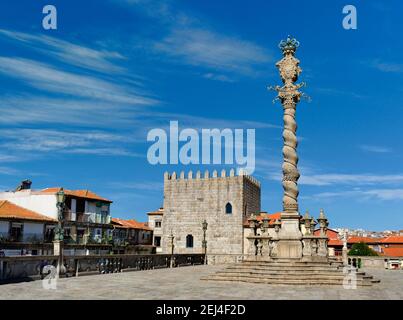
(189, 241)
(228, 208)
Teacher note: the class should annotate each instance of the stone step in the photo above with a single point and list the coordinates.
(272, 268)
(289, 273)
(281, 273)
(286, 281)
(292, 264)
(274, 279)
(285, 276)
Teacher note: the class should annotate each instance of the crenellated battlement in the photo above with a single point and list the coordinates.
(207, 175)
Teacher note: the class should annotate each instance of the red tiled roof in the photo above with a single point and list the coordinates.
(272, 218)
(158, 212)
(9, 210)
(392, 252)
(87, 194)
(335, 242)
(332, 235)
(392, 239)
(355, 239)
(130, 224)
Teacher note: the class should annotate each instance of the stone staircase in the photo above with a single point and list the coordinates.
(286, 272)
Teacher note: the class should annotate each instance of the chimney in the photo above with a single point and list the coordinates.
(24, 185)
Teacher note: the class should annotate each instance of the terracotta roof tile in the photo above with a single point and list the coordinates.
(9, 210)
(87, 194)
(355, 239)
(392, 252)
(130, 224)
(158, 212)
(272, 218)
(392, 239)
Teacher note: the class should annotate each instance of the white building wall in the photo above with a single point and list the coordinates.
(41, 203)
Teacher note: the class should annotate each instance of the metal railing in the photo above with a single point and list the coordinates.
(86, 217)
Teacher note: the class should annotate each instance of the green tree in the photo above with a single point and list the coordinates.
(361, 249)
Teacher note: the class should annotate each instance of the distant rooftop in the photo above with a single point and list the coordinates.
(9, 210)
(158, 212)
(130, 224)
(87, 194)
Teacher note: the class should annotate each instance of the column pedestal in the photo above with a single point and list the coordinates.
(289, 244)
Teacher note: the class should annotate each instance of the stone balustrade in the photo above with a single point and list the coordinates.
(31, 267)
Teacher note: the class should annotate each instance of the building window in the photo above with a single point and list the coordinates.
(157, 241)
(158, 224)
(189, 241)
(16, 232)
(228, 208)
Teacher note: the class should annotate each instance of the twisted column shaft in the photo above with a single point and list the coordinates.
(290, 162)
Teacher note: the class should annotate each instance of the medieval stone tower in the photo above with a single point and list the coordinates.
(225, 202)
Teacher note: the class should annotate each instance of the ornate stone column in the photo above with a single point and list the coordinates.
(290, 245)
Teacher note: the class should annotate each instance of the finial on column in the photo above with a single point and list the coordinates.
(289, 46)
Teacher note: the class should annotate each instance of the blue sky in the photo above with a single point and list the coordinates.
(77, 102)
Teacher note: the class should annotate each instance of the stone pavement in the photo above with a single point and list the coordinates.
(184, 283)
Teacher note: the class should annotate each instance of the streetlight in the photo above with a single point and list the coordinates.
(59, 232)
(204, 226)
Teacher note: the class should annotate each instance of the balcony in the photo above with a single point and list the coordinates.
(9, 238)
(22, 238)
(88, 217)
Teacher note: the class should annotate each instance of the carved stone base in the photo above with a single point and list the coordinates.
(289, 244)
(289, 249)
(257, 258)
(314, 259)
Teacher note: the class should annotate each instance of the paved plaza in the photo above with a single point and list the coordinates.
(184, 283)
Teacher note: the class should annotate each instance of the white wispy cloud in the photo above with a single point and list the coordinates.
(375, 149)
(85, 142)
(338, 92)
(46, 77)
(349, 179)
(383, 66)
(9, 158)
(311, 178)
(217, 77)
(206, 48)
(68, 52)
(105, 152)
(386, 194)
(191, 41)
(144, 185)
(9, 171)
(379, 194)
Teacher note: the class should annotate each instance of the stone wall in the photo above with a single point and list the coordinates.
(190, 200)
(376, 262)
